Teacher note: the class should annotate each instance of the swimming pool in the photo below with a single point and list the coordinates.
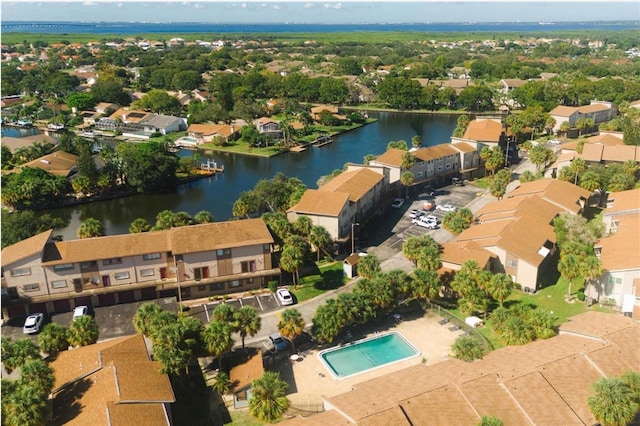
(367, 354)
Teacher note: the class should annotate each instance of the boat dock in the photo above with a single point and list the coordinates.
(211, 166)
(322, 141)
(298, 148)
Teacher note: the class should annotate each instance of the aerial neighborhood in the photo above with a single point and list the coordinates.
(498, 270)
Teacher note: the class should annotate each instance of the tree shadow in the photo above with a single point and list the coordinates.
(331, 280)
(66, 403)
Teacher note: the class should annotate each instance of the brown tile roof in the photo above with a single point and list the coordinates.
(393, 416)
(330, 108)
(592, 152)
(442, 406)
(356, 183)
(514, 82)
(626, 340)
(211, 129)
(607, 139)
(217, 235)
(242, 375)
(130, 116)
(587, 109)
(489, 398)
(434, 152)
(596, 324)
(623, 201)
(563, 111)
(106, 247)
(527, 249)
(391, 157)
(59, 163)
(464, 146)
(25, 248)
(329, 417)
(114, 382)
(560, 193)
(488, 130)
(622, 250)
(483, 233)
(458, 253)
(315, 201)
(620, 153)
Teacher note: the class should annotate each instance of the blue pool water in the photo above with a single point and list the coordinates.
(367, 354)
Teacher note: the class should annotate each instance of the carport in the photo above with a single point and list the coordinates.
(62, 305)
(106, 299)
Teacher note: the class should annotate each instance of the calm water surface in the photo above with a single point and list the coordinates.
(217, 194)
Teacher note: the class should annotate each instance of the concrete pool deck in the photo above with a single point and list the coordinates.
(309, 379)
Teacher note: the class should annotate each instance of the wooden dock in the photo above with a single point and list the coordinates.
(298, 148)
(322, 141)
(211, 166)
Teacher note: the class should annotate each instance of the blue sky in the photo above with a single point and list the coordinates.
(350, 11)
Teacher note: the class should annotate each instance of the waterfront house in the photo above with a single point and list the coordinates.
(115, 382)
(267, 126)
(58, 163)
(317, 111)
(508, 84)
(206, 133)
(44, 275)
(619, 253)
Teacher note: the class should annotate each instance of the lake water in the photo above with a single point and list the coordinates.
(217, 194)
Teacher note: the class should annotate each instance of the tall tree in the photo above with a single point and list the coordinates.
(217, 339)
(613, 403)
(144, 316)
(247, 322)
(291, 325)
(320, 239)
(268, 401)
(426, 285)
(83, 331)
(368, 266)
(407, 179)
(90, 228)
(53, 338)
(139, 225)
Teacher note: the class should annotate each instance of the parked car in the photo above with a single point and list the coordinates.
(397, 203)
(415, 213)
(33, 323)
(433, 218)
(446, 207)
(80, 311)
(554, 142)
(278, 343)
(284, 296)
(457, 181)
(426, 223)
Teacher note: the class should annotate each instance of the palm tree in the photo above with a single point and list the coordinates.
(222, 384)
(247, 322)
(426, 284)
(175, 344)
(613, 403)
(90, 228)
(37, 374)
(203, 217)
(578, 166)
(139, 225)
(268, 400)
(217, 339)
(23, 405)
(326, 324)
(368, 266)
(569, 268)
(320, 239)
(224, 313)
(53, 338)
(500, 287)
(416, 141)
(407, 179)
(591, 269)
(143, 317)
(302, 226)
(16, 354)
(83, 331)
(467, 348)
(490, 421)
(291, 325)
(415, 248)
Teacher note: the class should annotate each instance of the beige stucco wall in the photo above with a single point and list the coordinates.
(36, 276)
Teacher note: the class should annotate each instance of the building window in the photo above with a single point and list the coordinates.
(439, 168)
(31, 287)
(201, 288)
(20, 272)
(63, 267)
(249, 280)
(512, 263)
(88, 265)
(234, 283)
(121, 275)
(248, 266)
(266, 248)
(216, 286)
(113, 261)
(448, 166)
(151, 256)
(146, 272)
(615, 280)
(223, 252)
(59, 284)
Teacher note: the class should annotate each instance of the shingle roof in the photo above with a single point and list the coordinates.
(464, 146)
(159, 121)
(623, 201)
(243, 374)
(592, 152)
(563, 111)
(587, 109)
(488, 130)
(458, 253)
(607, 139)
(558, 192)
(621, 250)
(25, 248)
(211, 129)
(315, 201)
(218, 235)
(114, 382)
(434, 152)
(356, 183)
(59, 163)
(391, 157)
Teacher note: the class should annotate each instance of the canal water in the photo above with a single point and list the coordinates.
(218, 193)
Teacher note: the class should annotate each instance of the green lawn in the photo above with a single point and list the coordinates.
(241, 147)
(331, 276)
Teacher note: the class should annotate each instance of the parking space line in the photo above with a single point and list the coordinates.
(260, 303)
(206, 312)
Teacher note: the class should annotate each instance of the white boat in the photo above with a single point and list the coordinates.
(24, 123)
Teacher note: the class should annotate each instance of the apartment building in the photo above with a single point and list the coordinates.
(44, 275)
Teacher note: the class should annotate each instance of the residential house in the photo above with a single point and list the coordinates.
(243, 375)
(353, 196)
(206, 133)
(14, 143)
(598, 111)
(317, 111)
(501, 225)
(59, 163)
(115, 382)
(105, 107)
(267, 126)
(457, 84)
(90, 117)
(153, 124)
(545, 382)
(43, 275)
(456, 253)
(508, 84)
(619, 253)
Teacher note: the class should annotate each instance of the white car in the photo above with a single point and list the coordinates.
(446, 208)
(415, 213)
(33, 323)
(554, 142)
(426, 222)
(80, 311)
(433, 218)
(397, 203)
(284, 296)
